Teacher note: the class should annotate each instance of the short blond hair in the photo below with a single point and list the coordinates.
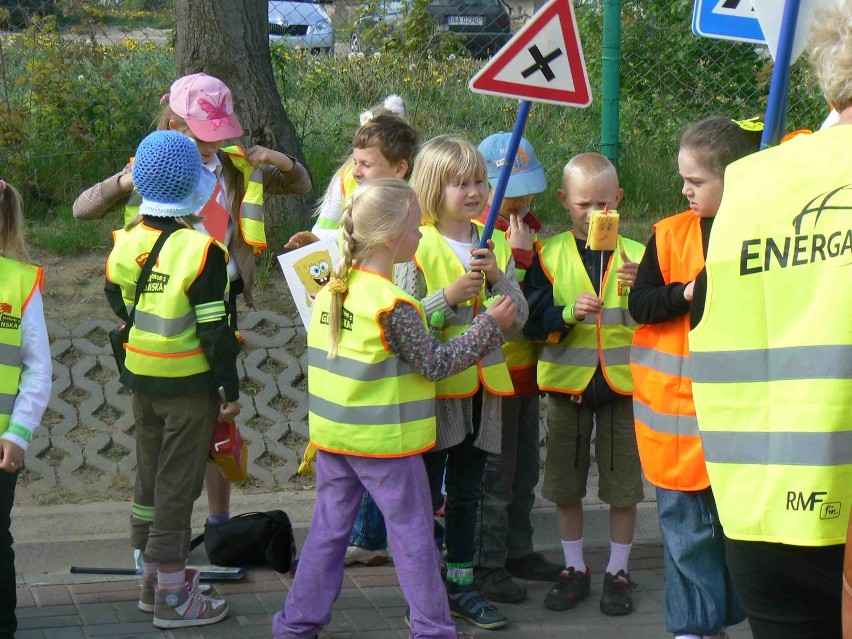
(444, 160)
(830, 44)
(590, 166)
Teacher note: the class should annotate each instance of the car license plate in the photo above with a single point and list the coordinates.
(464, 21)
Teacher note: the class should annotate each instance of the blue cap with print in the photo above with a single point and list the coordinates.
(527, 174)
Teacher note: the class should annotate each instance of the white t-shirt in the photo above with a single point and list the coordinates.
(461, 249)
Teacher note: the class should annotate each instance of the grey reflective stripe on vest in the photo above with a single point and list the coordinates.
(353, 369)
(493, 358)
(786, 449)
(463, 317)
(10, 355)
(773, 364)
(151, 323)
(617, 317)
(569, 356)
(251, 211)
(617, 356)
(664, 422)
(673, 365)
(7, 403)
(401, 413)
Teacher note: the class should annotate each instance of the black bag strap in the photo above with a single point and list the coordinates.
(142, 282)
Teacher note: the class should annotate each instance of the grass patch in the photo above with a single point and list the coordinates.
(61, 234)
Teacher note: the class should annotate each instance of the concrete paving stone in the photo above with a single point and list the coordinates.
(98, 613)
(63, 633)
(368, 580)
(51, 595)
(53, 621)
(366, 619)
(128, 611)
(384, 597)
(24, 598)
(124, 630)
(251, 620)
(246, 603)
(29, 634)
(184, 633)
(271, 601)
(46, 611)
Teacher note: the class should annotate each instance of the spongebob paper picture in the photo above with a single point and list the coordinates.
(307, 270)
(603, 231)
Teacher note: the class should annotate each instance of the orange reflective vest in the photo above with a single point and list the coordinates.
(666, 427)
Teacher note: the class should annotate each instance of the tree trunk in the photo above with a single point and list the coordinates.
(229, 39)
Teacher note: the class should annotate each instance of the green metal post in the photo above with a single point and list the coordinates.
(610, 79)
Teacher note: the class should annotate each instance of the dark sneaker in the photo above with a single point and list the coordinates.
(533, 567)
(616, 599)
(495, 584)
(459, 635)
(480, 612)
(571, 588)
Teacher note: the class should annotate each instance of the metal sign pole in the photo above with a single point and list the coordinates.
(776, 110)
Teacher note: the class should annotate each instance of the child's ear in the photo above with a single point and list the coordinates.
(172, 125)
(401, 169)
(562, 197)
(618, 197)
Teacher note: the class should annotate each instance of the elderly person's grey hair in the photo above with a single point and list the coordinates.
(830, 45)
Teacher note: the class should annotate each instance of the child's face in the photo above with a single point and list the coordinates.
(519, 205)
(371, 164)
(406, 247)
(701, 186)
(206, 149)
(464, 200)
(580, 196)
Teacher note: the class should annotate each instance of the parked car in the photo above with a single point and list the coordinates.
(482, 25)
(301, 25)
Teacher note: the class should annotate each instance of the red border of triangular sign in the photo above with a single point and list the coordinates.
(485, 81)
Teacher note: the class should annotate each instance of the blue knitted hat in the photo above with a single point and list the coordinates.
(169, 175)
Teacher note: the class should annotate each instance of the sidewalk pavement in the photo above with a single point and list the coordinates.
(370, 605)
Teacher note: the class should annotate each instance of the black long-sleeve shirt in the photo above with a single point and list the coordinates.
(546, 318)
(653, 301)
(218, 341)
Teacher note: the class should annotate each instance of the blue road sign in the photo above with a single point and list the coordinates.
(727, 20)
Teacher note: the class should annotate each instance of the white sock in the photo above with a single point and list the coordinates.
(149, 572)
(687, 636)
(619, 554)
(171, 581)
(573, 551)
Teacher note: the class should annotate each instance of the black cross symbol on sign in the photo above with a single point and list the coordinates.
(541, 63)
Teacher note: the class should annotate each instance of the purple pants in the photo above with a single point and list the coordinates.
(400, 489)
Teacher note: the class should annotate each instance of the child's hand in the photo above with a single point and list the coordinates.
(259, 155)
(228, 411)
(519, 235)
(628, 270)
(504, 311)
(485, 262)
(688, 291)
(300, 239)
(587, 304)
(11, 456)
(466, 288)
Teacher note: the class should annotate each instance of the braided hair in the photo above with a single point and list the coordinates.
(374, 216)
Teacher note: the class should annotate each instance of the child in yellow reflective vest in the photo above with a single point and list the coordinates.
(25, 378)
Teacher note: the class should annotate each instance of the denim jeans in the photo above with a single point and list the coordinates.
(369, 531)
(699, 596)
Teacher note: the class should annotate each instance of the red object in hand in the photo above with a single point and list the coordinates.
(229, 450)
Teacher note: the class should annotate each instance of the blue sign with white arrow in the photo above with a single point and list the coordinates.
(727, 20)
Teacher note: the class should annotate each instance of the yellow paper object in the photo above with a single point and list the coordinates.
(603, 231)
(308, 459)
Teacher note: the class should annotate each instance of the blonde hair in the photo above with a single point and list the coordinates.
(590, 166)
(444, 160)
(166, 116)
(12, 224)
(830, 45)
(374, 215)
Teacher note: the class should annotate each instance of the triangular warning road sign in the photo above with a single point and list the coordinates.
(542, 62)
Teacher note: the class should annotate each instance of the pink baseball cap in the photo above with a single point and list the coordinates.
(205, 103)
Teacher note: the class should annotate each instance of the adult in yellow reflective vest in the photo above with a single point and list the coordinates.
(180, 351)
(698, 599)
(448, 274)
(771, 358)
(25, 377)
(504, 547)
(578, 311)
(371, 371)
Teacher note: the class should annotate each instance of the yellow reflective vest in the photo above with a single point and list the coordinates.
(366, 401)
(18, 282)
(771, 359)
(441, 267)
(162, 340)
(251, 208)
(605, 338)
